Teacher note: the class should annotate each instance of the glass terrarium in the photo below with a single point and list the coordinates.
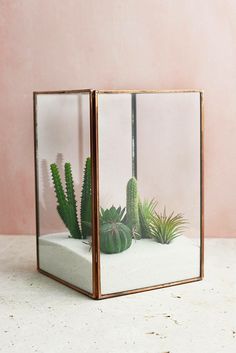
(119, 197)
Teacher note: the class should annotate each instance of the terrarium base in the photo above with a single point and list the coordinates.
(66, 258)
(145, 263)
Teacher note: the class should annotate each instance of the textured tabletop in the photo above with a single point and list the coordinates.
(38, 314)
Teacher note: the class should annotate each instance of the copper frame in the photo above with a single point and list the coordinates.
(93, 94)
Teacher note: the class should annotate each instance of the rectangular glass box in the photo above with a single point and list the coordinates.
(119, 189)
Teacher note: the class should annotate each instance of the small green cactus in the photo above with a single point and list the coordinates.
(66, 206)
(115, 237)
(86, 201)
(132, 212)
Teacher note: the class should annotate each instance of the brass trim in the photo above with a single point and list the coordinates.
(95, 194)
(36, 194)
(62, 281)
(202, 216)
(138, 91)
(73, 91)
(146, 289)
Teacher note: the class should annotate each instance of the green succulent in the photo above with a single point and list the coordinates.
(115, 237)
(164, 229)
(111, 215)
(146, 213)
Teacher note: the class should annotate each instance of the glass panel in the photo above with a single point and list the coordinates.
(63, 135)
(149, 155)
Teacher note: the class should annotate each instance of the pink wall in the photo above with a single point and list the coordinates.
(70, 44)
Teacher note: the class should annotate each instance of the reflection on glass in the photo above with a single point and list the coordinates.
(149, 160)
(64, 188)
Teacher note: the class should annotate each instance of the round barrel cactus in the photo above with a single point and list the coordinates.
(115, 237)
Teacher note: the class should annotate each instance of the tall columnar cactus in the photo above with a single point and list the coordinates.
(66, 206)
(132, 211)
(86, 201)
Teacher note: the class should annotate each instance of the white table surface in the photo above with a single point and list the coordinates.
(38, 314)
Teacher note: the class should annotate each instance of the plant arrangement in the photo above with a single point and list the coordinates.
(118, 226)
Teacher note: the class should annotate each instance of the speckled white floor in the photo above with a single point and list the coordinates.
(38, 314)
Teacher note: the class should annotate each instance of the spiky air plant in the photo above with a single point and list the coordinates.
(164, 229)
(146, 213)
(115, 236)
(66, 202)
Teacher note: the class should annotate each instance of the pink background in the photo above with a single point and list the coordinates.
(169, 44)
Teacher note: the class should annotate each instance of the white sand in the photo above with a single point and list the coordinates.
(67, 258)
(145, 263)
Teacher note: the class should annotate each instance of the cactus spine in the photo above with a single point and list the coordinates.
(86, 201)
(66, 206)
(132, 211)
